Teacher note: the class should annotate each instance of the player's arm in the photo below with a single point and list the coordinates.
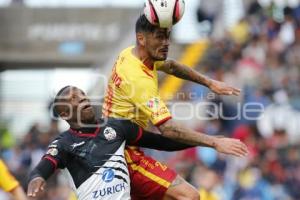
(38, 177)
(45, 168)
(173, 130)
(184, 72)
(157, 141)
(149, 102)
(151, 140)
(135, 135)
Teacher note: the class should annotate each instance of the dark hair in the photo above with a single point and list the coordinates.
(58, 99)
(143, 25)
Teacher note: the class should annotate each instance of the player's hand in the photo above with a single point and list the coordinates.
(36, 186)
(231, 146)
(222, 88)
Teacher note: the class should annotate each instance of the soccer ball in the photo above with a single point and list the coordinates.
(164, 13)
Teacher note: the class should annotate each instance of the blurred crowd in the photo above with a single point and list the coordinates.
(261, 55)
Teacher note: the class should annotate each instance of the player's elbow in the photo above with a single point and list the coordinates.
(169, 129)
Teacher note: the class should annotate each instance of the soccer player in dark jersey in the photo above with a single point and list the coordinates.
(93, 151)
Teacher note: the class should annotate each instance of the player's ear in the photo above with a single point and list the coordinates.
(141, 39)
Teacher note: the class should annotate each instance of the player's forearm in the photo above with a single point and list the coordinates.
(173, 130)
(44, 170)
(159, 142)
(184, 72)
(34, 174)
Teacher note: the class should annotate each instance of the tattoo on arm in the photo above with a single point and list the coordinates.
(184, 72)
(179, 133)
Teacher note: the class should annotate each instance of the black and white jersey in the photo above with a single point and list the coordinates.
(95, 160)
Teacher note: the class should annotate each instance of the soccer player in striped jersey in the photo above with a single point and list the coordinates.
(132, 93)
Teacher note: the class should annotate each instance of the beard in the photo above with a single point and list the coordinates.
(87, 119)
(158, 58)
(158, 55)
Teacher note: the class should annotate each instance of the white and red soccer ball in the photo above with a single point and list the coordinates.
(164, 13)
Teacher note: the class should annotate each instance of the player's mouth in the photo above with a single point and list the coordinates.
(164, 50)
(86, 107)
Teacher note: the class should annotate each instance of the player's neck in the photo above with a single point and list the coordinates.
(142, 55)
(78, 126)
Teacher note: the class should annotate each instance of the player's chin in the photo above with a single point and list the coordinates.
(88, 117)
(88, 123)
(162, 56)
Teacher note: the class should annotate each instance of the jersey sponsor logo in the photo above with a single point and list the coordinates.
(160, 112)
(52, 151)
(109, 133)
(153, 103)
(108, 175)
(77, 144)
(108, 191)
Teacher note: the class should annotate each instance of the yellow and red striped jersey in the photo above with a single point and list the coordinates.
(132, 92)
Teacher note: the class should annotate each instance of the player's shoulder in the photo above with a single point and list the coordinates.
(119, 123)
(126, 52)
(119, 126)
(61, 139)
(125, 58)
(127, 64)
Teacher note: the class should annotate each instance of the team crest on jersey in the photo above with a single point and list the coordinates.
(153, 103)
(109, 133)
(52, 151)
